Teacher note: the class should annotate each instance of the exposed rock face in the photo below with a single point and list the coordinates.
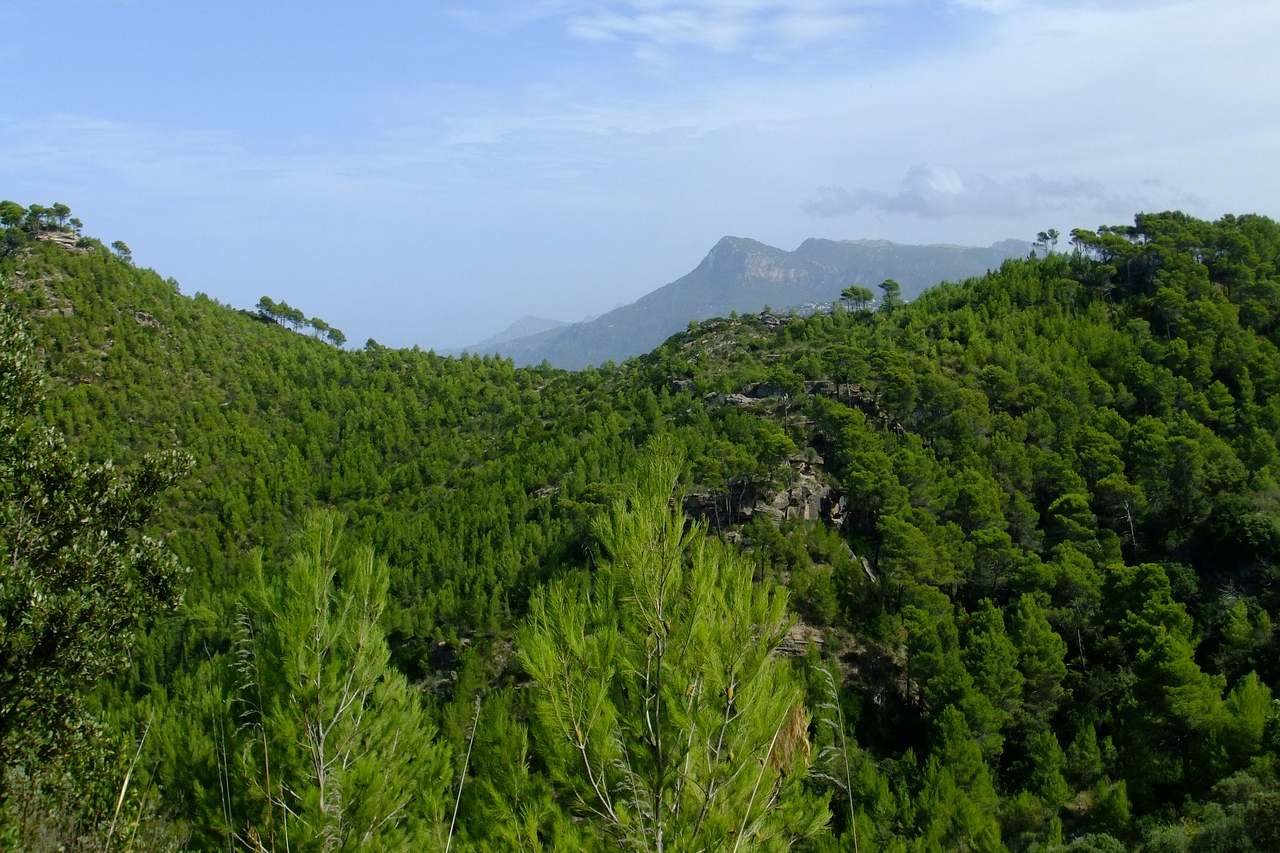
(764, 266)
(798, 639)
(701, 504)
(878, 671)
(142, 318)
(761, 390)
(865, 401)
(733, 401)
(805, 497)
(680, 385)
(68, 240)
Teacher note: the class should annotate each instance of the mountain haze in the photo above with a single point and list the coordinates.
(744, 275)
(526, 326)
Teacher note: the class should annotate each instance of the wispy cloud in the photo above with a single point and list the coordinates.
(940, 192)
(582, 165)
(761, 27)
(991, 6)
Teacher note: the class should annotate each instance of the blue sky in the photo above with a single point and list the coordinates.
(427, 172)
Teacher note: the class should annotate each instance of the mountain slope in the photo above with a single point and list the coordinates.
(743, 275)
(1030, 526)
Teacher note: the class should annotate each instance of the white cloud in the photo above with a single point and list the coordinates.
(940, 192)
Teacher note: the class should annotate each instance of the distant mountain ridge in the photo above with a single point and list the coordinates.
(527, 326)
(745, 275)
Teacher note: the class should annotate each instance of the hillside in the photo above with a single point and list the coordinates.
(997, 569)
(745, 276)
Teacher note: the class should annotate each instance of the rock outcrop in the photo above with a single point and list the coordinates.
(733, 401)
(68, 240)
(804, 496)
(798, 639)
(807, 497)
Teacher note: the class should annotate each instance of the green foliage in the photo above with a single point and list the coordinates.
(856, 297)
(661, 711)
(891, 295)
(1032, 531)
(957, 803)
(79, 577)
(286, 315)
(319, 743)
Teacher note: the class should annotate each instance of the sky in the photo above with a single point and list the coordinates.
(427, 172)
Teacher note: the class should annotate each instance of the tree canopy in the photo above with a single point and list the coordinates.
(995, 569)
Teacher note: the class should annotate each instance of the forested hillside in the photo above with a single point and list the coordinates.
(993, 570)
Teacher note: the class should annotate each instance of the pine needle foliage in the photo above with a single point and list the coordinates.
(333, 749)
(832, 765)
(660, 707)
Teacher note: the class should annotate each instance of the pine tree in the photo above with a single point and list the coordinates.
(334, 751)
(662, 712)
(1041, 655)
(957, 802)
(992, 660)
